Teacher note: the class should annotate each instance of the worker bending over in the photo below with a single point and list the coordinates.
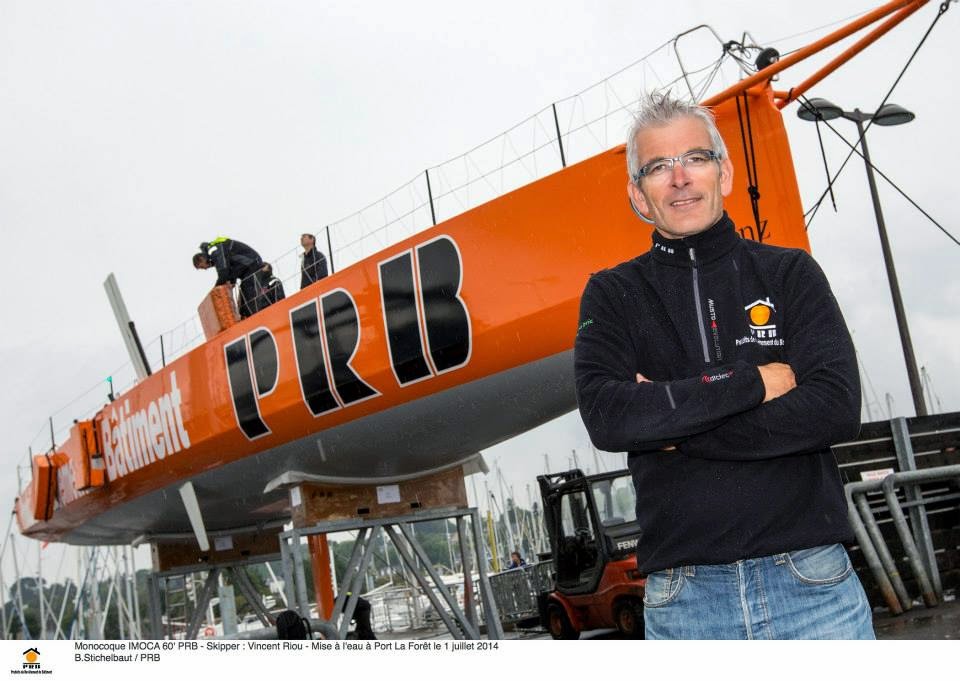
(234, 260)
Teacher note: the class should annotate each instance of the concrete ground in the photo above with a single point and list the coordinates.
(920, 623)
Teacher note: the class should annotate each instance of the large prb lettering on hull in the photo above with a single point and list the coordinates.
(266, 360)
(425, 320)
(325, 353)
(311, 359)
(252, 359)
(341, 326)
(445, 314)
(398, 292)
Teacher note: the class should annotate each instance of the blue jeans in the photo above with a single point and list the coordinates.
(808, 594)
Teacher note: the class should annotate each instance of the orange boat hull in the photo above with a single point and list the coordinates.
(407, 362)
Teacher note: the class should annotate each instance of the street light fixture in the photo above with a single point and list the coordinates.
(819, 109)
(889, 114)
(892, 114)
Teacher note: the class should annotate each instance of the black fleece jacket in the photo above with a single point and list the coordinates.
(313, 268)
(697, 316)
(235, 260)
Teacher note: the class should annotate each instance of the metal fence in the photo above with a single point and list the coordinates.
(903, 496)
(517, 591)
(917, 542)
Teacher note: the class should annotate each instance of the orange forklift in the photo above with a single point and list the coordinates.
(593, 530)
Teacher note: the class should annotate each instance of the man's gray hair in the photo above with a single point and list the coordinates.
(658, 109)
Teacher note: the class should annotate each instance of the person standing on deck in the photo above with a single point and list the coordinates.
(314, 265)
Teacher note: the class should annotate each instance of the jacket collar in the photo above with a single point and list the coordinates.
(707, 245)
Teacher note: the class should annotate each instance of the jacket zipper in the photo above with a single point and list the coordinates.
(696, 299)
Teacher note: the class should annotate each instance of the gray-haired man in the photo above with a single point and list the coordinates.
(726, 370)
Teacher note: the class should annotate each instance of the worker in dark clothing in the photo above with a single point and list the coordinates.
(314, 266)
(516, 561)
(269, 288)
(361, 615)
(725, 369)
(292, 627)
(234, 260)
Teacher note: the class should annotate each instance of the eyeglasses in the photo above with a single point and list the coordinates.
(697, 159)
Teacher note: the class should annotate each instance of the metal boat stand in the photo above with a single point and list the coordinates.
(460, 624)
(193, 617)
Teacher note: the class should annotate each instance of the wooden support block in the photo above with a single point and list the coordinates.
(224, 550)
(318, 503)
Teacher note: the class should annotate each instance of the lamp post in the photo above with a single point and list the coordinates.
(888, 114)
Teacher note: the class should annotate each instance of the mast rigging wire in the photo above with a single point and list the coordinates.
(750, 158)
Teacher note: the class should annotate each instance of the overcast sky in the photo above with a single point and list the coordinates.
(131, 131)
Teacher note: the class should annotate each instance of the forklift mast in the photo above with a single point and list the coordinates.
(551, 486)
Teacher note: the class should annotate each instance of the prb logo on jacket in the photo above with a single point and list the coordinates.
(761, 317)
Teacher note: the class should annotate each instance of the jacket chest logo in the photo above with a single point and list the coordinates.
(762, 320)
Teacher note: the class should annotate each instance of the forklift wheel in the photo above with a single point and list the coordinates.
(559, 624)
(629, 618)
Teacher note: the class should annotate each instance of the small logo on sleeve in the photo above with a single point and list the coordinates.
(713, 378)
